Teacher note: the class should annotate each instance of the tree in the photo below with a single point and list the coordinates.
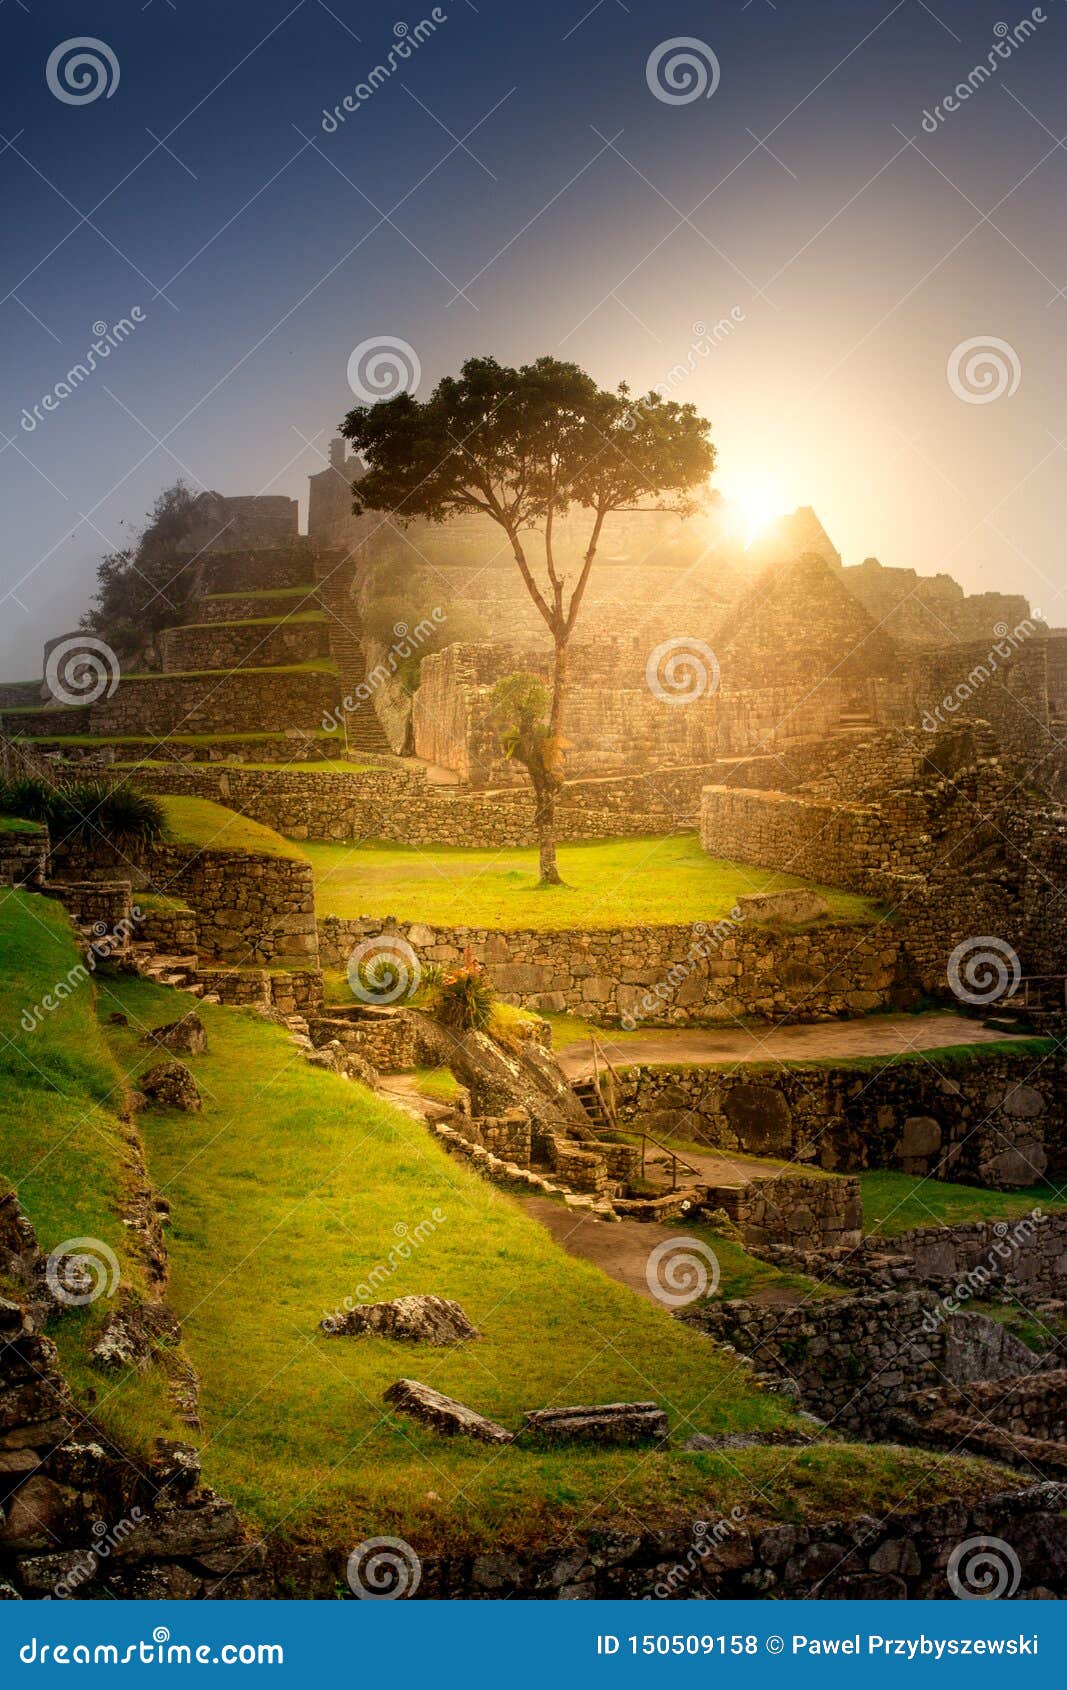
(522, 446)
(144, 588)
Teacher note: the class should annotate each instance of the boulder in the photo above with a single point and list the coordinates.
(170, 1085)
(187, 1037)
(132, 1334)
(800, 905)
(603, 1423)
(416, 1320)
(444, 1414)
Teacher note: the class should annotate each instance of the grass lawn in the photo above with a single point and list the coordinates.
(612, 883)
(894, 1202)
(311, 666)
(265, 593)
(255, 622)
(63, 1144)
(200, 821)
(289, 1190)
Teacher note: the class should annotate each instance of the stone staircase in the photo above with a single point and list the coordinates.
(362, 730)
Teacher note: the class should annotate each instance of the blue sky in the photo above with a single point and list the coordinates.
(516, 186)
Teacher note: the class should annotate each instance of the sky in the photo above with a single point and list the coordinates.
(885, 265)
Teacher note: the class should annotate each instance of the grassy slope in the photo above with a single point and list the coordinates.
(200, 821)
(63, 1143)
(612, 883)
(288, 1189)
(894, 1202)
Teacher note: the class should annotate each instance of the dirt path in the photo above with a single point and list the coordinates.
(621, 1248)
(874, 1035)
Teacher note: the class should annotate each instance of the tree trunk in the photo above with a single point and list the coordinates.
(545, 819)
(552, 772)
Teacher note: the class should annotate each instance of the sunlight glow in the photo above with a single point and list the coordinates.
(758, 501)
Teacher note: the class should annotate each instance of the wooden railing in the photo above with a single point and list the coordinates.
(608, 1092)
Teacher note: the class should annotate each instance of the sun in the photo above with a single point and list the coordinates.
(758, 501)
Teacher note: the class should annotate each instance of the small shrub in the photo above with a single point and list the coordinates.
(28, 799)
(463, 999)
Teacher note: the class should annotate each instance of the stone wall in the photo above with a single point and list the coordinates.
(615, 720)
(606, 974)
(232, 645)
(855, 1361)
(168, 924)
(15, 695)
(247, 607)
(248, 701)
(23, 855)
(250, 908)
(801, 1212)
(260, 571)
(930, 610)
(229, 524)
(395, 804)
(996, 1120)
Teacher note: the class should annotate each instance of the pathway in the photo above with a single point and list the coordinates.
(819, 1041)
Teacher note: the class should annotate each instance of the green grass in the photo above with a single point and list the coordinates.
(264, 593)
(301, 1182)
(288, 1190)
(83, 740)
(15, 824)
(290, 621)
(201, 822)
(613, 883)
(311, 666)
(63, 1143)
(893, 1202)
(439, 1084)
(327, 766)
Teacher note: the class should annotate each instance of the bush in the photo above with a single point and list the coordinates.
(462, 999)
(120, 814)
